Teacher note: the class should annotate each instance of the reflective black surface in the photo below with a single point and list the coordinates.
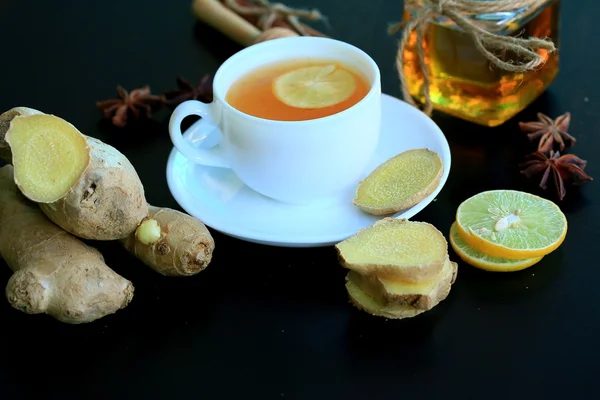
(265, 322)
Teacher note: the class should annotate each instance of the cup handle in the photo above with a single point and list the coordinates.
(210, 157)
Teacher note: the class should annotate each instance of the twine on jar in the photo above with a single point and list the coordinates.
(268, 13)
(484, 40)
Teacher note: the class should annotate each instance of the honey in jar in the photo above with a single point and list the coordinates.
(465, 84)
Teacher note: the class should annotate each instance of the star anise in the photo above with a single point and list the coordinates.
(549, 132)
(565, 168)
(130, 105)
(203, 92)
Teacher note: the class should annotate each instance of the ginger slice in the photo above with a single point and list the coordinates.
(400, 182)
(49, 156)
(396, 249)
(365, 302)
(423, 295)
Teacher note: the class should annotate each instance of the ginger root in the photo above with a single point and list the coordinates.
(54, 272)
(184, 246)
(83, 185)
(99, 199)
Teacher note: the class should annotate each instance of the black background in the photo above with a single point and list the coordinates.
(264, 322)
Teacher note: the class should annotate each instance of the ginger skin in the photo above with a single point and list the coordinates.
(54, 272)
(106, 202)
(184, 248)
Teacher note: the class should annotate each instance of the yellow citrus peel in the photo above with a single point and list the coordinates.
(483, 261)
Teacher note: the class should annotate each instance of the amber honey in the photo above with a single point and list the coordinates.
(463, 83)
(253, 93)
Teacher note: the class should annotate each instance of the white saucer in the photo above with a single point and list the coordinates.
(219, 199)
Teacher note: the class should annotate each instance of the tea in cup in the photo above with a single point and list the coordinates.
(298, 118)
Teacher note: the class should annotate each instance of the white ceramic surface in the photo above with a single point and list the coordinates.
(292, 161)
(217, 197)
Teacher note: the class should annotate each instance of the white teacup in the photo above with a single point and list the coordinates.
(295, 162)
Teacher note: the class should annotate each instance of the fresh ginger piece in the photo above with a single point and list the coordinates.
(54, 272)
(400, 182)
(107, 200)
(108, 203)
(184, 248)
(423, 295)
(393, 310)
(395, 249)
(366, 303)
(49, 156)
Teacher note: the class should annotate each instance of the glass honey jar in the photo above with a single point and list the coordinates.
(462, 81)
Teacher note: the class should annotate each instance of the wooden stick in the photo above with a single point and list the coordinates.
(221, 18)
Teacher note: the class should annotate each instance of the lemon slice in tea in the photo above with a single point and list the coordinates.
(483, 261)
(314, 87)
(400, 182)
(511, 224)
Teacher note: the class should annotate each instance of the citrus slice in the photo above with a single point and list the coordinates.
(314, 87)
(511, 224)
(400, 182)
(483, 261)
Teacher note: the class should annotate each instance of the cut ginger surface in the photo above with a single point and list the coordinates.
(401, 249)
(49, 155)
(394, 288)
(400, 182)
(421, 295)
(363, 301)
